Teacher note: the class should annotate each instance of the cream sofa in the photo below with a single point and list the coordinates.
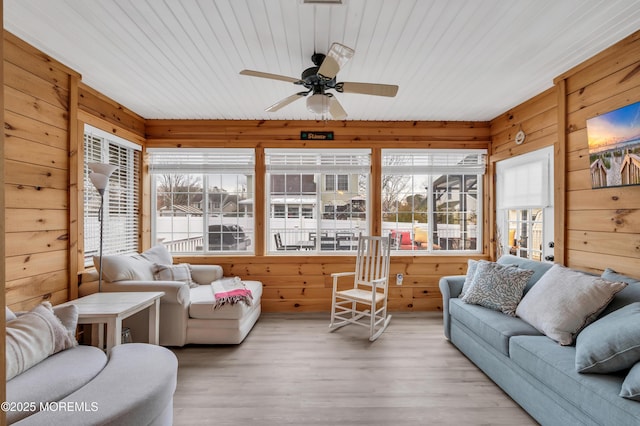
(186, 312)
(81, 385)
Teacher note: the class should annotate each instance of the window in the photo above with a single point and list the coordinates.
(317, 219)
(121, 199)
(336, 183)
(524, 208)
(203, 199)
(432, 199)
(525, 230)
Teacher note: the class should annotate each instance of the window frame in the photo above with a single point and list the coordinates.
(433, 164)
(319, 162)
(207, 163)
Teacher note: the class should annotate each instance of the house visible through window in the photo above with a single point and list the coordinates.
(203, 199)
(432, 199)
(121, 199)
(306, 216)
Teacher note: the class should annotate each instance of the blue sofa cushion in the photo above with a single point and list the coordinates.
(594, 394)
(494, 327)
(631, 385)
(610, 344)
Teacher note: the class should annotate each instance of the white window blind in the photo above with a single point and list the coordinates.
(121, 199)
(318, 160)
(198, 160)
(434, 161)
(523, 183)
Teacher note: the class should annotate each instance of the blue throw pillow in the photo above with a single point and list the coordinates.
(629, 294)
(610, 344)
(631, 385)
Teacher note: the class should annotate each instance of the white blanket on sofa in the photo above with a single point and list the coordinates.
(230, 291)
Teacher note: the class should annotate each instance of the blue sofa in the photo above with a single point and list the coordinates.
(537, 372)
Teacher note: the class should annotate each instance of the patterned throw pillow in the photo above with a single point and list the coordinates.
(497, 287)
(180, 272)
(472, 265)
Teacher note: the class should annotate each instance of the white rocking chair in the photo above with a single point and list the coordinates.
(359, 304)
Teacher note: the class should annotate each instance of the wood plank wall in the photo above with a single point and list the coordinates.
(603, 225)
(44, 111)
(36, 161)
(294, 283)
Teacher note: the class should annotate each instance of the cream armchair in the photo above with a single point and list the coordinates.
(186, 311)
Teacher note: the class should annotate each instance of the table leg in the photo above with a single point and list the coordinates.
(114, 333)
(154, 322)
(97, 335)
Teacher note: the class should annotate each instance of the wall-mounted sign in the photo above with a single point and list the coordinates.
(320, 136)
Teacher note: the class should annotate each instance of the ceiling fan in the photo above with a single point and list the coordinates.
(322, 77)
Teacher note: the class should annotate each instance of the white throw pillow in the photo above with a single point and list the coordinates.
(564, 301)
(158, 254)
(123, 267)
(33, 337)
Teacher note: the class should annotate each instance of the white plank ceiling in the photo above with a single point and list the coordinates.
(453, 59)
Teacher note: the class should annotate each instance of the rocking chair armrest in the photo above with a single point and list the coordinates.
(337, 275)
(342, 274)
(378, 281)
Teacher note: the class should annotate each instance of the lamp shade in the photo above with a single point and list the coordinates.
(102, 168)
(99, 180)
(318, 103)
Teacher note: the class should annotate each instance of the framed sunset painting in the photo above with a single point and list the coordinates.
(614, 147)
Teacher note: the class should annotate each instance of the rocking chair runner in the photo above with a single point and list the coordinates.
(359, 304)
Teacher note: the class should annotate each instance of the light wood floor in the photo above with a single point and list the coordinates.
(291, 371)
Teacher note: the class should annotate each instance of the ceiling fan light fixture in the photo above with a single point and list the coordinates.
(318, 103)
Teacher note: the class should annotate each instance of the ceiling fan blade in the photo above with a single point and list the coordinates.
(389, 90)
(269, 75)
(286, 101)
(336, 110)
(338, 55)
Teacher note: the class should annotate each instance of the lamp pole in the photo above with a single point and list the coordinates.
(100, 173)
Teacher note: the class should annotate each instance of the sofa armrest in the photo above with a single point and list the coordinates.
(175, 292)
(140, 379)
(205, 274)
(450, 287)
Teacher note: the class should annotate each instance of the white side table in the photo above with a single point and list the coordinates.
(111, 308)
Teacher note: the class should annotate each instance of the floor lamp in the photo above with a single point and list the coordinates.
(100, 173)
